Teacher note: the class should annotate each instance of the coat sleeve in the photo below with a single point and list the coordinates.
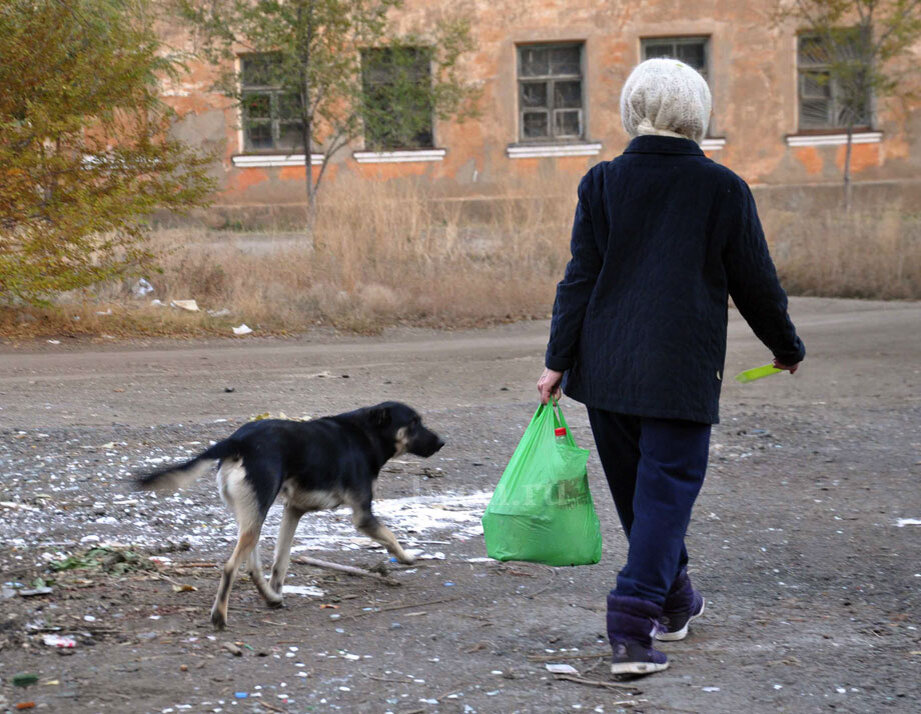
(575, 289)
(755, 288)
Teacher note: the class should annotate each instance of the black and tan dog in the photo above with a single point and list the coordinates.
(314, 465)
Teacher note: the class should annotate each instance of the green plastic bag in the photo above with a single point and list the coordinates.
(542, 509)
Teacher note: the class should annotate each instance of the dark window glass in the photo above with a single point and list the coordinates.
(827, 101)
(397, 97)
(270, 114)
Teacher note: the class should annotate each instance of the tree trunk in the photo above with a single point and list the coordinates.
(308, 175)
(847, 169)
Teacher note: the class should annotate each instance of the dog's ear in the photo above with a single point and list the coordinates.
(380, 416)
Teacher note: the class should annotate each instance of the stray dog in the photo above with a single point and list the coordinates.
(315, 465)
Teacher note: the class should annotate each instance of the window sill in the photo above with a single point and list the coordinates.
(244, 161)
(712, 144)
(394, 157)
(532, 151)
(834, 139)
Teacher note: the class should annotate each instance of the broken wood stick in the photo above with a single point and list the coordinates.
(348, 569)
(597, 683)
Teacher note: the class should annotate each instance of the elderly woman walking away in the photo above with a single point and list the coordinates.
(662, 237)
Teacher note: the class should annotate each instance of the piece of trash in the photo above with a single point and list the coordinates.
(241, 695)
(59, 641)
(303, 590)
(189, 305)
(25, 705)
(54, 342)
(902, 522)
(104, 312)
(34, 591)
(328, 606)
(449, 584)
(141, 288)
(219, 313)
(184, 588)
(24, 679)
(156, 303)
(561, 669)
(841, 690)
(710, 689)
(232, 648)
(243, 329)
(18, 506)
(230, 390)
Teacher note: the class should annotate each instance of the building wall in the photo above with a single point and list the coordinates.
(752, 73)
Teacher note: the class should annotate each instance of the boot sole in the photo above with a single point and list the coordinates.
(683, 632)
(637, 667)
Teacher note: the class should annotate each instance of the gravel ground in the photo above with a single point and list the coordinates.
(805, 538)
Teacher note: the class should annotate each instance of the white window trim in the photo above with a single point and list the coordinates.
(398, 157)
(532, 151)
(858, 137)
(252, 161)
(712, 144)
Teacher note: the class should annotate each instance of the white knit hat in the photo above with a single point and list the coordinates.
(665, 97)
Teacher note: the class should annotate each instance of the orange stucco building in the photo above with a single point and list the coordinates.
(550, 73)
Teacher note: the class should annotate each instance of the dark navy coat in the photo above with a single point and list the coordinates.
(662, 237)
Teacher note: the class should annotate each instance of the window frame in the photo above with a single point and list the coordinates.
(275, 120)
(426, 74)
(676, 40)
(550, 80)
(834, 92)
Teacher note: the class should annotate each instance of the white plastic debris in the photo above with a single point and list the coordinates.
(142, 288)
(54, 342)
(219, 313)
(902, 522)
(710, 689)
(156, 303)
(59, 641)
(242, 330)
(189, 305)
(303, 590)
(562, 669)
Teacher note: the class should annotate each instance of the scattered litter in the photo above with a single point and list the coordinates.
(303, 590)
(142, 288)
(104, 312)
(243, 329)
(449, 584)
(59, 641)
(710, 689)
(24, 680)
(902, 522)
(54, 342)
(841, 690)
(189, 305)
(19, 506)
(232, 648)
(230, 390)
(241, 695)
(219, 313)
(561, 669)
(25, 705)
(156, 303)
(184, 588)
(35, 591)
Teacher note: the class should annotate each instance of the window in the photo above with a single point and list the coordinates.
(550, 92)
(397, 101)
(271, 115)
(827, 101)
(692, 51)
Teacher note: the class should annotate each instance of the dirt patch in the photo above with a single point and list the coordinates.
(803, 538)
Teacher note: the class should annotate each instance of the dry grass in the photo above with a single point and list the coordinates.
(862, 255)
(387, 253)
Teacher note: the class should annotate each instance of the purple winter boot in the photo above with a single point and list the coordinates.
(682, 604)
(631, 624)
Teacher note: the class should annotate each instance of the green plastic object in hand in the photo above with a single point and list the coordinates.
(750, 375)
(542, 509)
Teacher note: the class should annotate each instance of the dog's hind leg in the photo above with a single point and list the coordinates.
(241, 497)
(367, 523)
(271, 597)
(289, 523)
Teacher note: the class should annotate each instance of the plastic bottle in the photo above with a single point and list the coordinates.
(560, 434)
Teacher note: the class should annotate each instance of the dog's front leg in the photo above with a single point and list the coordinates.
(367, 523)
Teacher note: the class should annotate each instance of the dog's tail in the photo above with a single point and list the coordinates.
(181, 475)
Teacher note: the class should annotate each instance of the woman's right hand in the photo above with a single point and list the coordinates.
(791, 368)
(549, 385)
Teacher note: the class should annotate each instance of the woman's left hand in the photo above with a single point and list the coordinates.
(549, 385)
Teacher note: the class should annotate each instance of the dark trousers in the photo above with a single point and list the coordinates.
(655, 468)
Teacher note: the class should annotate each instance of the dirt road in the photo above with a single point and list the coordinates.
(804, 538)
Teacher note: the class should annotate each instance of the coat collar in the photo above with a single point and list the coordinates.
(649, 144)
